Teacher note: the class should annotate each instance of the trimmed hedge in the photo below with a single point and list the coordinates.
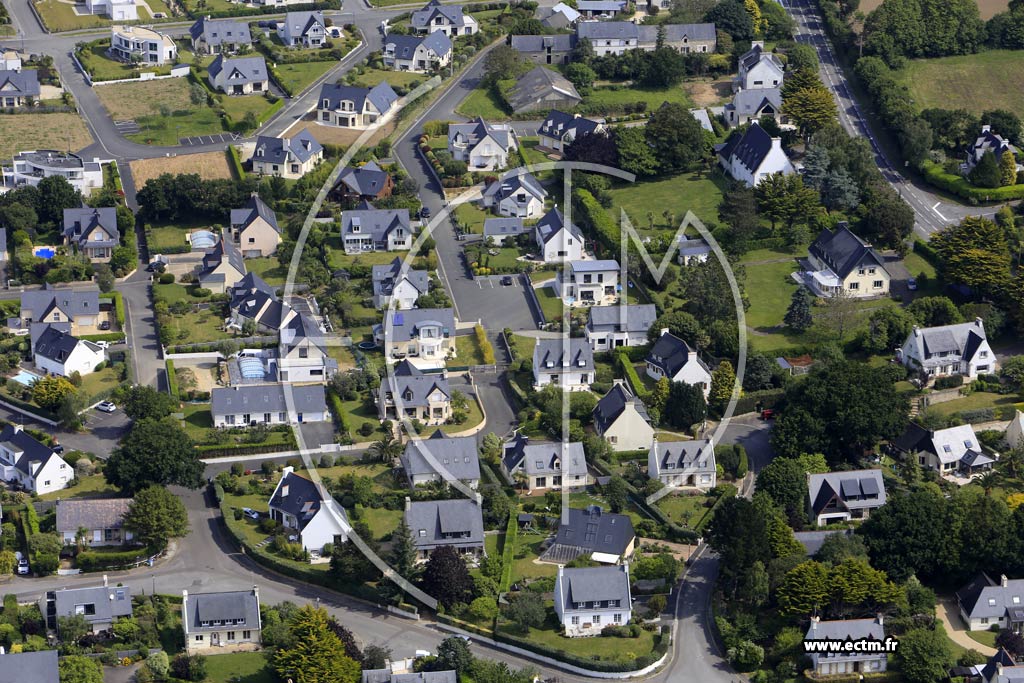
(486, 349)
(236, 161)
(643, 661)
(961, 187)
(31, 521)
(338, 411)
(508, 551)
(221, 451)
(592, 217)
(90, 561)
(927, 252)
(626, 365)
(172, 380)
(106, 336)
(767, 398)
(118, 306)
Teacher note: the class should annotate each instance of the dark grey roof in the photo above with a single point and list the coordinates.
(79, 225)
(676, 33)
(107, 603)
(213, 611)
(670, 353)
(843, 251)
(423, 18)
(379, 223)
(17, 440)
(560, 42)
(366, 180)
(513, 184)
(414, 387)
(99, 513)
(751, 102)
(250, 284)
(558, 124)
(513, 451)
(504, 227)
(595, 584)
(298, 24)
(629, 318)
(219, 31)
(475, 131)
(35, 330)
(694, 247)
(853, 629)
(297, 496)
(608, 30)
(24, 83)
(553, 221)
(264, 399)
(457, 523)
(549, 355)
(612, 404)
(754, 55)
(278, 150)
(813, 540)
(601, 5)
(381, 96)
(73, 302)
(386, 276)
(239, 70)
(3, 241)
(405, 46)
(596, 531)
(1000, 658)
(262, 308)
(684, 456)
(535, 87)
(385, 676)
(405, 324)
(962, 340)
(253, 209)
(984, 598)
(224, 249)
(58, 346)
(855, 490)
(750, 148)
(30, 667)
(455, 455)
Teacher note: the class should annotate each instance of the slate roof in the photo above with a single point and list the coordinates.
(559, 42)
(475, 131)
(405, 324)
(18, 441)
(751, 147)
(671, 354)
(224, 249)
(74, 303)
(596, 531)
(109, 602)
(226, 608)
(594, 584)
(253, 209)
(24, 83)
(843, 629)
(381, 96)
(30, 667)
(991, 668)
(949, 445)
(413, 387)
(297, 496)
(635, 318)
(612, 405)
(379, 223)
(601, 5)
(367, 180)
(386, 277)
(250, 284)
(514, 183)
(385, 676)
(302, 147)
(457, 523)
(675, 33)
(79, 225)
(550, 224)
(219, 31)
(99, 513)
(456, 456)
(558, 124)
(749, 102)
(297, 24)
(694, 247)
(549, 458)
(684, 456)
(754, 55)
(504, 227)
(813, 540)
(984, 598)
(960, 341)
(843, 251)
(58, 346)
(265, 309)
(608, 30)
(268, 399)
(238, 70)
(594, 266)
(548, 356)
(423, 18)
(855, 489)
(532, 89)
(405, 46)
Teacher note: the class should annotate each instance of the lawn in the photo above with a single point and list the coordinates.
(619, 97)
(467, 351)
(42, 131)
(299, 76)
(684, 509)
(94, 486)
(505, 260)
(339, 259)
(102, 68)
(198, 420)
(238, 107)
(268, 268)
(198, 326)
(96, 383)
(60, 16)
(550, 304)
(769, 288)
(976, 401)
(993, 79)
(528, 550)
(356, 413)
(472, 217)
(164, 237)
(371, 77)
(239, 667)
(167, 131)
(987, 638)
(381, 521)
(678, 194)
(483, 102)
(176, 292)
(602, 650)
(125, 101)
(474, 416)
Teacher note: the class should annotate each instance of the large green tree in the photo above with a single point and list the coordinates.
(141, 402)
(316, 654)
(785, 481)
(80, 669)
(924, 655)
(810, 108)
(737, 533)
(798, 316)
(804, 591)
(155, 453)
(155, 516)
(785, 198)
(635, 152)
(675, 136)
(909, 536)
(446, 577)
(975, 253)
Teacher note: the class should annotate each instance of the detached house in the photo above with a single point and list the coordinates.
(151, 47)
(542, 88)
(39, 667)
(753, 156)
(238, 75)
(565, 363)
(425, 334)
(758, 69)
(228, 621)
(985, 603)
(30, 167)
(303, 29)
(375, 230)
(366, 183)
(954, 450)
(435, 523)
(621, 419)
(118, 10)
(222, 266)
(304, 356)
(57, 352)
(100, 606)
(212, 36)
(444, 19)
(18, 88)
(545, 465)
(408, 392)
(960, 349)
(92, 232)
(609, 37)
(254, 228)
(80, 308)
(102, 519)
(483, 146)
(842, 496)
(289, 158)
(753, 105)
(840, 261)
(588, 283)
(683, 463)
(298, 503)
(557, 241)
(988, 141)
(603, 537)
(612, 327)
(442, 458)
(518, 195)
(672, 357)
(559, 129)
(417, 54)
(390, 283)
(588, 599)
(28, 464)
(693, 250)
(832, 663)
(600, 9)
(545, 49)
(252, 299)
(353, 107)
(498, 229)
(1000, 668)
(274, 404)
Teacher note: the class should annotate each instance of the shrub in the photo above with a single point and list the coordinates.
(167, 279)
(950, 382)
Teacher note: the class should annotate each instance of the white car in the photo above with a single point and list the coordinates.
(22, 566)
(102, 344)
(250, 513)
(106, 407)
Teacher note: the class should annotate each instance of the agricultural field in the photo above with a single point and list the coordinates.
(42, 131)
(993, 79)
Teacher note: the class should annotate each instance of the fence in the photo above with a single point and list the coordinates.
(531, 296)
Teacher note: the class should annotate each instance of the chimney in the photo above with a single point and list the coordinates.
(881, 620)
(999, 671)
(986, 128)
(1003, 581)
(814, 623)
(286, 471)
(664, 331)
(979, 323)
(757, 43)
(917, 331)
(256, 592)
(408, 503)
(104, 580)
(18, 429)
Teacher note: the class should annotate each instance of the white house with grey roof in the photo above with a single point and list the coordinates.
(391, 283)
(30, 465)
(609, 37)
(79, 307)
(441, 458)
(612, 327)
(589, 598)
(753, 105)
(985, 603)
(304, 355)
(842, 496)
(57, 352)
(834, 663)
(303, 29)
(950, 451)
(483, 146)
(401, 671)
(417, 54)
(221, 267)
(426, 336)
(839, 260)
(226, 621)
(252, 299)
(409, 392)
(588, 283)
(621, 419)
(213, 36)
(693, 250)
(1001, 668)
(565, 363)
(93, 232)
(600, 9)
(753, 156)
(498, 229)
(351, 106)
(557, 241)
(448, 20)
(988, 141)
(373, 229)
(672, 357)
(759, 69)
(30, 167)
(559, 130)
(101, 518)
(18, 88)
(238, 75)
(518, 194)
(100, 606)
(434, 523)
(270, 405)
(960, 349)
(684, 38)
(307, 508)
(289, 158)
(545, 465)
(35, 667)
(254, 228)
(683, 464)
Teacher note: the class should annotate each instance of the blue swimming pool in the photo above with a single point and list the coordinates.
(25, 377)
(44, 252)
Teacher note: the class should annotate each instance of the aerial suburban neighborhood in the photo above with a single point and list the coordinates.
(511, 341)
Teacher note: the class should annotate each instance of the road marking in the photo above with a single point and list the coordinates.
(936, 210)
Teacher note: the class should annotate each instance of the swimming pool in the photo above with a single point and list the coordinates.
(25, 377)
(44, 252)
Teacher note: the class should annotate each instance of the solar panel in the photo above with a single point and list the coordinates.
(399, 319)
(849, 488)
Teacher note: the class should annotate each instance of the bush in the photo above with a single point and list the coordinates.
(167, 279)
(950, 382)
(90, 561)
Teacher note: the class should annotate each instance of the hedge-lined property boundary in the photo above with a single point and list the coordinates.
(172, 380)
(959, 186)
(508, 551)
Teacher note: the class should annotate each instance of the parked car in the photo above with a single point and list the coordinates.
(102, 344)
(105, 325)
(911, 283)
(506, 281)
(250, 513)
(424, 212)
(106, 407)
(22, 566)
(58, 448)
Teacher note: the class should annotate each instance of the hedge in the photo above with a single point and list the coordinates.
(729, 492)
(106, 336)
(958, 185)
(639, 390)
(508, 552)
(643, 661)
(744, 465)
(927, 252)
(236, 161)
(591, 215)
(31, 521)
(118, 306)
(464, 625)
(222, 451)
(767, 398)
(267, 9)
(172, 380)
(91, 561)
(338, 411)
(486, 349)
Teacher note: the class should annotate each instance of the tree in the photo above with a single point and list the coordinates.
(839, 192)
(839, 547)
(594, 148)
(975, 253)
(446, 577)
(189, 667)
(1007, 169)
(483, 609)
(635, 153)
(1005, 123)
(154, 452)
(907, 536)
(80, 669)
(453, 655)
(722, 380)
(526, 610)
(73, 628)
(1012, 642)
(50, 391)
(759, 373)
(986, 172)
(785, 198)
(924, 655)
(126, 629)
(810, 109)
(732, 17)
(887, 329)
(889, 219)
(916, 139)
(582, 52)
(802, 57)
(402, 559)
(755, 588)
(798, 316)
(931, 311)
(386, 450)
(502, 63)
(316, 654)
(55, 195)
(816, 164)
(675, 136)
(786, 482)
(1012, 370)
(616, 494)
(738, 210)
(682, 325)
(737, 534)
(685, 407)
(666, 68)
(155, 516)
(144, 402)
(159, 664)
(376, 656)
(804, 591)
(778, 24)
(581, 76)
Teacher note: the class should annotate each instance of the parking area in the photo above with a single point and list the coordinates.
(495, 281)
(126, 127)
(208, 139)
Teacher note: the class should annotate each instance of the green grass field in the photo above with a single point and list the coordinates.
(239, 667)
(467, 351)
(96, 383)
(550, 304)
(992, 79)
(165, 236)
(769, 288)
(609, 649)
(94, 486)
(167, 130)
(237, 107)
(472, 217)
(473, 417)
(683, 509)
(483, 102)
(976, 401)
(678, 194)
(618, 98)
(268, 268)
(371, 77)
(59, 16)
(103, 68)
(298, 77)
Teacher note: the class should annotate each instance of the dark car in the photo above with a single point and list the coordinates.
(104, 324)
(58, 448)
(506, 281)
(424, 212)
